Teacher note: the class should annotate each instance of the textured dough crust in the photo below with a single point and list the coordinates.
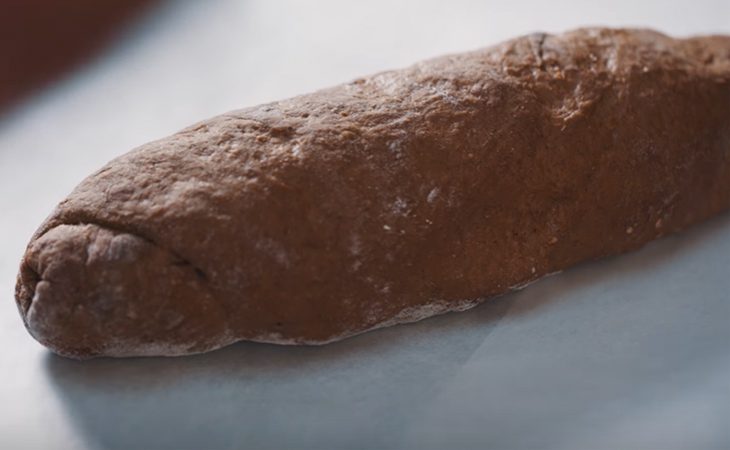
(388, 199)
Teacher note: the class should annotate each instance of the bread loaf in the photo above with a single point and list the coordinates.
(388, 199)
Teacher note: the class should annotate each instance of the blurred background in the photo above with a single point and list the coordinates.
(82, 81)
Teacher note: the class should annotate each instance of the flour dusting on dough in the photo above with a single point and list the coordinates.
(407, 315)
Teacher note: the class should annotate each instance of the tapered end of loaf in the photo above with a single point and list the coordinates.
(85, 291)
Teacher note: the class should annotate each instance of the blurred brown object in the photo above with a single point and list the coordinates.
(40, 39)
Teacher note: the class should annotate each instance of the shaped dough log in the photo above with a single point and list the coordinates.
(388, 199)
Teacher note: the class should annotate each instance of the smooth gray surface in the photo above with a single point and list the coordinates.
(627, 353)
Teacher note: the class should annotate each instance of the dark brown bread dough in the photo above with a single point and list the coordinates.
(388, 199)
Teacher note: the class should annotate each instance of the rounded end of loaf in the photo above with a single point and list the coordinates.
(85, 291)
